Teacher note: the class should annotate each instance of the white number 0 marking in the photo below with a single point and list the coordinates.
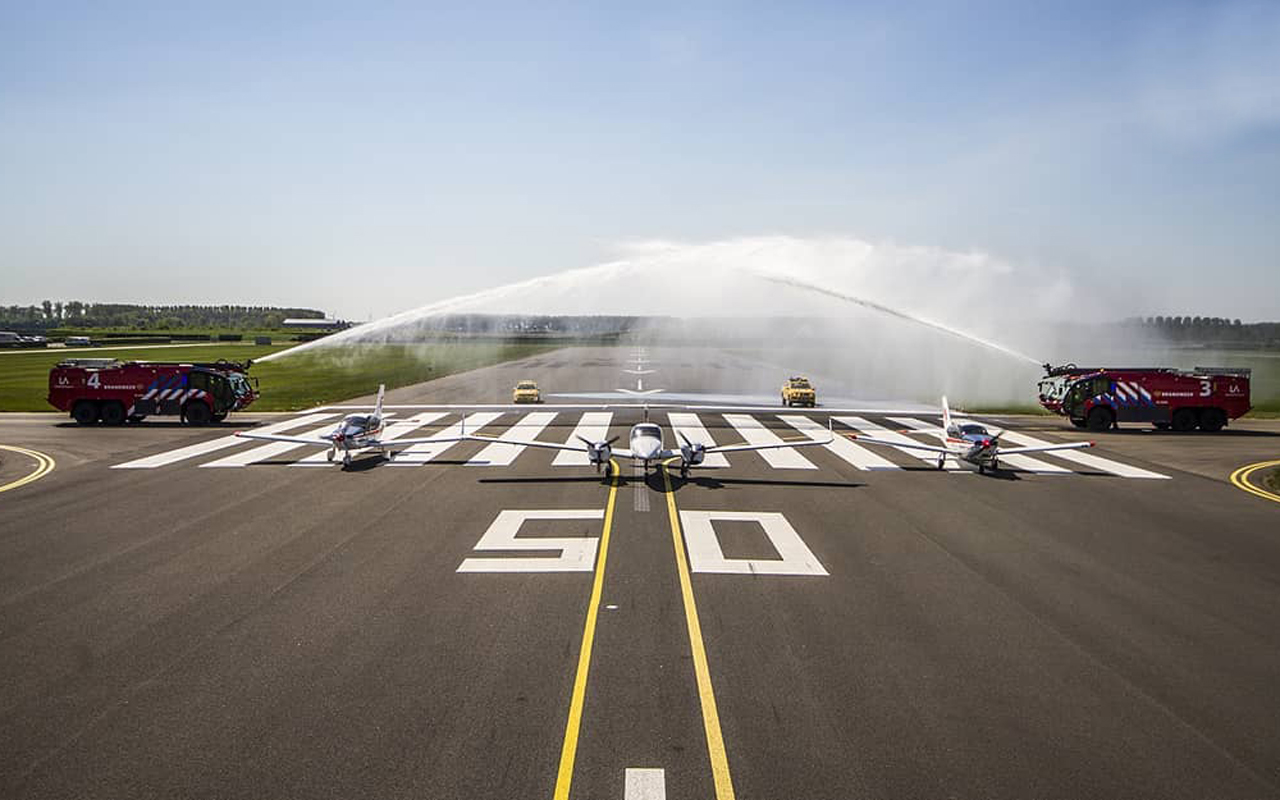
(706, 555)
(577, 554)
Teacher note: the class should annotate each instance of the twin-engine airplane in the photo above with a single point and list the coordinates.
(647, 447)
(354, 432)
(970, 443)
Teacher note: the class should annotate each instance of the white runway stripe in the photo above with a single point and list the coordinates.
(754, 432)
(1023, 463)
(213, 445)
(266, 452)
(880, 432)
(592, 426)
(500, 454)
(691, 426)
(1097, 463)
(859, 456)
(393, 431)
(422, 453)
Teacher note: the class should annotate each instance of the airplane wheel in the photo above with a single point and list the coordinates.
(982, 470)
(331, 455)
(995, 465)
(942, 462)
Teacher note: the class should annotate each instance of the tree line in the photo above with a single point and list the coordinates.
(1206, 330)
(78, 314)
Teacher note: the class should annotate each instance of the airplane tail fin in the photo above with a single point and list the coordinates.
(946, 414)
(377, 410)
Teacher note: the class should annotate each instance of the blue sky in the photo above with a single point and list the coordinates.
(282, 153)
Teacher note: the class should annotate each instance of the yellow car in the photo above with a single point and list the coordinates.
(797, 391)
(526, 392)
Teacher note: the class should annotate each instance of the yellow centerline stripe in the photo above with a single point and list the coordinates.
(710, 716)
(569, 750)
(1240, 478)
(44, 465)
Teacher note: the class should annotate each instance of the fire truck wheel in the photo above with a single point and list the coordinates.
(85, 412)
(1100, 419)
(136, 418)
(1212, 420)
(196, 413)
(1184, 419)
(112, 413)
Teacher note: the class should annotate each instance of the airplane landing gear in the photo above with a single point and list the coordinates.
(332, 452)
(684, 472)
(346, 459)
(942, 462)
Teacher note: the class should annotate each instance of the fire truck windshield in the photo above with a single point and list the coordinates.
(238, 384)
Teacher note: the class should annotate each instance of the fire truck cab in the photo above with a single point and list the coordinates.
(113, 392)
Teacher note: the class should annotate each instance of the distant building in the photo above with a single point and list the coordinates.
(317, 324)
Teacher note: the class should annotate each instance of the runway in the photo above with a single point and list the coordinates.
(182, 616)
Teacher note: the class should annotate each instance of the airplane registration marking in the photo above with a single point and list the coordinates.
(268, 451)
(592, 426)
(396, 430)
(501, 454)
(690, 425)
(706, 555)
(213, 445)
(1021, 462)
(577, 554)
(419, 454)
(880, 432)
(754, 432)
(855, 454)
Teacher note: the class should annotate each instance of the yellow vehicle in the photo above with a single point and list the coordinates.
(526, 392)
(797, 391)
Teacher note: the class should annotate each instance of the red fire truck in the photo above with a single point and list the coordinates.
(1100, 398)
(112, 392)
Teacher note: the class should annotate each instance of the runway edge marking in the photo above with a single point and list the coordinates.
(569, 749)
(706, 694)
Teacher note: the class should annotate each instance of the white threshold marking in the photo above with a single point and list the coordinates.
(645, 784)
(1086, 459)
(419, 454)
(1020, 462)
(755, 432)
(880, 432)
(690, 425)
(267, 451)
(857, 455)
(393, 431)
(221, 443)
(592, 426)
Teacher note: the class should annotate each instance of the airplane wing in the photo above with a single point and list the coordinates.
(577, 448)
(271, 437)
(742, 448)
(1013, 451)
(408, 442)
(932, 448)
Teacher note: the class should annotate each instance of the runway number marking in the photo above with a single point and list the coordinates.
(577, 554)
(706, 555)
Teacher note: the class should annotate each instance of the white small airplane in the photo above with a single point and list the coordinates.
(970, 443)
(354, 432)
(647, 447)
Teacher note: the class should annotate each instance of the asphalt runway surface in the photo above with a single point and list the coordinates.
(766, 630)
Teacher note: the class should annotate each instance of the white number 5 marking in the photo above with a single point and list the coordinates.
(705, 554)
(577, 554)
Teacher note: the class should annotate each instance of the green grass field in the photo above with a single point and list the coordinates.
(290, 384)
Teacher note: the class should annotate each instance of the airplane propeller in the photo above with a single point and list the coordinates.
(599, 452)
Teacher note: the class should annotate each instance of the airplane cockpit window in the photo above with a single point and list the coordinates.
(648, 430)
(975, 429)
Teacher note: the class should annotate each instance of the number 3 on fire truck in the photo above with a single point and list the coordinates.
(94, 380)
(1206, 388)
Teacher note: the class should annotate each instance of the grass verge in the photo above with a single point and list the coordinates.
(290, 384)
